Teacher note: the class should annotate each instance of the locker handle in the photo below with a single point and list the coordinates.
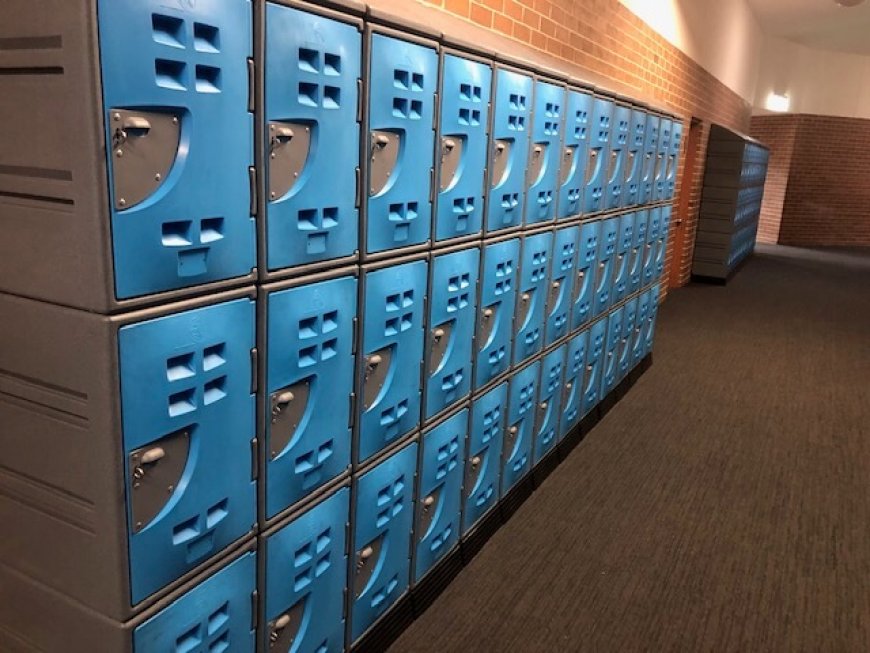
(282, 622)
(139, 125)
(366, 553)
(543, 405)
(428, 501)
(475, 461)
(282, 134)
(152, 455)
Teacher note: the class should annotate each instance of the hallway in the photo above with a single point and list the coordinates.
(723, 505)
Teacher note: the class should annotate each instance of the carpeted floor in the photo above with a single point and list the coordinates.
(723, 505)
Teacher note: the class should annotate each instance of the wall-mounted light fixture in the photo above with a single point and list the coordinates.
(777, 102)
(849, 3)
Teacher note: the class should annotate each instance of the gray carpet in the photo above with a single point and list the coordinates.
(722, 505)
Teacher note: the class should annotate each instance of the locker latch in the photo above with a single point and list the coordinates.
(288, 407)
(536, 165)
(441, 336)
(289, 147)
(155, 470)
(487, 324)
(384, 155)
(451, 155)
(591, 165)
(365, 564)
(568, 163)
(284, 629)
(377, 366)
(554, 293)
(427, 513)
(500, 158)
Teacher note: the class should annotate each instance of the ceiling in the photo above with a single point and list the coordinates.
(817, 23)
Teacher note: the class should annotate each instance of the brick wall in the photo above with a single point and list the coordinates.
(818, 192)
(605, 43)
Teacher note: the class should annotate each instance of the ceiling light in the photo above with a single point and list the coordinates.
(776, 102)
(849, 3)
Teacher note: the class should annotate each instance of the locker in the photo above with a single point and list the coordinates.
(402, 83)
(439, 498)
(304, 578)
(662, 241)
(572, 172)
(549, 406)
(650, 325)
(638, 250)
(610, 373)
(673, 158)
(517, 449)
(638, 344)
(572, 397)
(498, 296)
(652, 238)
(560, 294)
(622, 262)
(483, 465)
(509, 150)
(463, 122)
(626, 353)
(382, 522)
(594, 365)
(544, 157)
(392, 354)
(599, 154)
(650, 154)
(309, 351)
(664, 151)
(634, 157)
(532, 295)
(584, 284)
(607, 239)
(619, 138)
(312, 72)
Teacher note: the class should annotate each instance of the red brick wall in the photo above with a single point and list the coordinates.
(601, 41)
(778, 133)
(826, 201)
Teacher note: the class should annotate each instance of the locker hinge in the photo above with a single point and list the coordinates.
(358, 199)
(355, 327)
(359, 100)
(344, 600)
(431, 185)
(435, 113)
(251, 93)
(255, 370)
(255, 608)
(351, 399)
(252, 180)
(255, 459)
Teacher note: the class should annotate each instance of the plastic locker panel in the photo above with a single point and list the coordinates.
(463, 122)
(572, 397)
(402, 84)
(498, 297)
(650, 154)
(312, 68)
(216, 615)
(382, 522)
(622, 262)
(650, 325)
(594, 369)
(483, 466)
(309, 371)
(607, 239)
(598, 156)
(450, 341)
(510, 150)
(532, 295)
(634, 157)
(619, 138)
(549, 406)
(439, 502)
(638, 344)
(305, 578)
(572, 172)
(673, 158)
(188, 422)
(662, 241)
(392, 354)
(180, 142)
(560, 293)
(652, 239)
(638, 251)
(625, 359)
(610, 374)
(544, 157)
(517, 449)
(584, 283)
(662, 154)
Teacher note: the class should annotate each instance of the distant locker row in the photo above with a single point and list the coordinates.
(338, 141)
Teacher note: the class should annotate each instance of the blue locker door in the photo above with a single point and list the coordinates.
(572, 172)
(392, 355)
(383, 519)
(652, 238)
(483, 467)
(610, 373)
(622, 263)
(175, 90)
(607, 239)
(594, 366)
(664, 151)
(618, 153)
(561, 284)
(638, 251)
(517, 450)
(662, 241)
(650, 152)
(216, 615)
(639, 324)
(312, 73)
(403, 79)
(572, 399)
(545, 156)
(452, 305)
(634, 157)
(626, 351)
(532, 296)
(599, 154)
(584, 284)
(439, 502)
(305, 578)
(310, 369)
(498, 297)
(510, 150)
(549, 406)
(673, 158)
(464, 120)
(188, 414)
(650, 326)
